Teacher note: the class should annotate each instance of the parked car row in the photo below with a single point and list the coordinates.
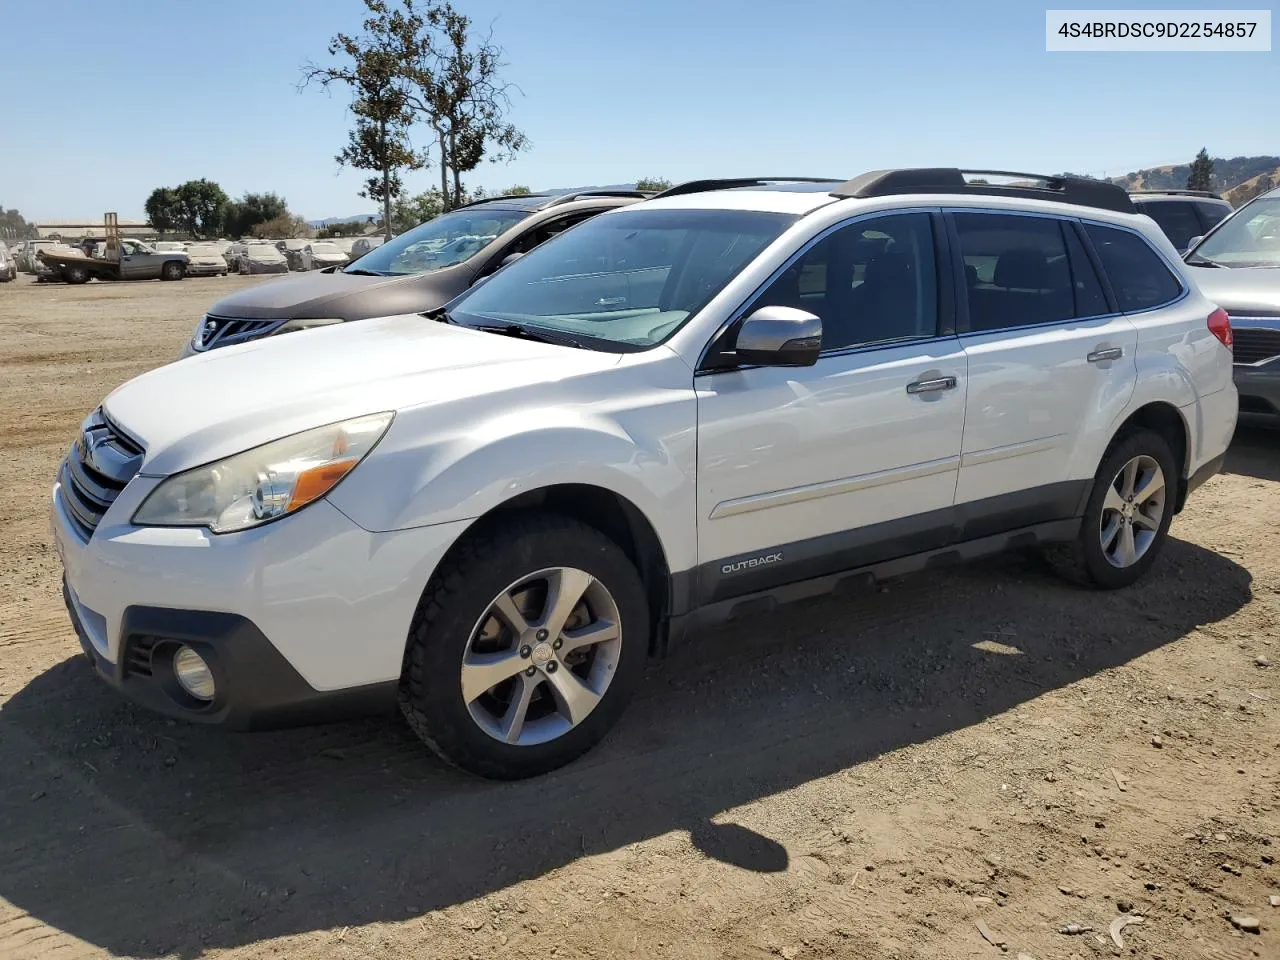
(570, 430)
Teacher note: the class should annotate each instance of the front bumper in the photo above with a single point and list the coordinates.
(303, 617)
(205, 269)
(1259, 388)
(268, 268)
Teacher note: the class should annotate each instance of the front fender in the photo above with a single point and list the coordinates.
(645, 455)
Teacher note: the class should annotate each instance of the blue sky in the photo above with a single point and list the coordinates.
(179, 89)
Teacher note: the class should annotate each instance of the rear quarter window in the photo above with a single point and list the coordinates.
(1139, 276)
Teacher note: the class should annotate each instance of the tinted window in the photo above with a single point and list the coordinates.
(631, 278)
(1138, 275)
(1018, 272)
(1176, 218)
(872, 282)
(1211, 214)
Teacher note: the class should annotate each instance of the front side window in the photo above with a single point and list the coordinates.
(874, 281)
(1018, 272)
(1251, 238)
(1138, 275)
(627, 279)
(447, 240)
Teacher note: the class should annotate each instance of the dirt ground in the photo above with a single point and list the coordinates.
(883, 775)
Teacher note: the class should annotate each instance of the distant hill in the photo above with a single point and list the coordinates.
(1238, 179)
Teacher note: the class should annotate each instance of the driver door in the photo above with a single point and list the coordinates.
(808, 471)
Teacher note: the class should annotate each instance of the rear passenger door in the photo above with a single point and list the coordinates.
(1049, 357)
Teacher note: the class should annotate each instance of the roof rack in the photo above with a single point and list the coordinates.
(703, 186)
(1180, 193)
(1034, 186)
(504, 196)
(605, 192)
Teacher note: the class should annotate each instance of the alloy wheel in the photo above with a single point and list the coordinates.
(541, 656)
(1133, 511)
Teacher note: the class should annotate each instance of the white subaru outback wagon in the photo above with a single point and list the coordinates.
(739, 393)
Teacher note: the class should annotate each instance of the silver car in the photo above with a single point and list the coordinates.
(8, 267)
(1237, 265)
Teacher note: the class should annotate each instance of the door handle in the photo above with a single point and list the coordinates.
(610, 301)
(1110, 353)
(931, 386)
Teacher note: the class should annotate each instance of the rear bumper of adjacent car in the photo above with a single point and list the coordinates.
(1259, 388)
(299, 620)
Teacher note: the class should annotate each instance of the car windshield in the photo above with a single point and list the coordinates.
(204, 250)
(1251, 238)
(267, 251)
(326, 248)
(447, 240)
(625, 280)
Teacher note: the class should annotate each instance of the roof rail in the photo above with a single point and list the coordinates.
(703, 186)
(1180, 193)
(1033, 186)
(504, 196)
(604, 192)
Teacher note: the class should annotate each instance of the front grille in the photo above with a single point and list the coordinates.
(223, 331)
(1255, 345)
(95, 470)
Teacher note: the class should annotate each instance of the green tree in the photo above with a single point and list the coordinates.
(656, 184)
(13, 226)
(162, 209)
(408, 212)
(201, 207)
(1201, 176)
(353, 229)
(242, 215)
(371, 66)
(284, 226)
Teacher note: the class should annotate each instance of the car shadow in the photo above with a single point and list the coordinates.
(145, 837)
(1255, 449)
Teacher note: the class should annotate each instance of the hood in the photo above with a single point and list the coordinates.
(214, 404)
(1240, 290)
(339, 258)
(332, 293)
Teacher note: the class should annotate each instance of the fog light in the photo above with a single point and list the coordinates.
(193, 674)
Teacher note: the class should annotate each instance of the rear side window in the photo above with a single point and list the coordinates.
(1211, 214)
(1176, 218)
(1018, 272)
(1138, 275)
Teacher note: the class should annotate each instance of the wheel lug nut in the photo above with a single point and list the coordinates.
(551, 667)
(526, 651)
(542, 635)
(557, 645)
(531, 671)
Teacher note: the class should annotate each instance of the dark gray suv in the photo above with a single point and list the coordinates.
(1237, 265)
(1183, 215)
(420, 270)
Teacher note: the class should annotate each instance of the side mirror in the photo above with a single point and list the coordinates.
(779, 337)
(511, 258)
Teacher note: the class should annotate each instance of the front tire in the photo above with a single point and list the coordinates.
(525, 647)
(75, 274)
(1127, 518)
(173, 270)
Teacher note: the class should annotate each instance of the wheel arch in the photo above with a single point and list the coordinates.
(612, 514)
(1169, 422)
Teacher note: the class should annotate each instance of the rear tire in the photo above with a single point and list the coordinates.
(1127, 518)
(75, 274)
(557, 691)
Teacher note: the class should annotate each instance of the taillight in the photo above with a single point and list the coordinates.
(1220, 327)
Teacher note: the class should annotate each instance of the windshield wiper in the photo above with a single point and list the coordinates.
(527, 333)
(1203, 261)
(363, 273)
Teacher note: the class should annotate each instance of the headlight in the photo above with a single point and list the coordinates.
(265, 483)
(306, 323)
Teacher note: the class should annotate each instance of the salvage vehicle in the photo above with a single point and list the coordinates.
(419, 270)
(205, 260)
(363, 245)
(319, 254)
(260, 256)
(293, 251)
(120, 260)
(28, 261)
(169, 246)
(8, 266)
(1182, 214)
(1237, 265)
(740, 393)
